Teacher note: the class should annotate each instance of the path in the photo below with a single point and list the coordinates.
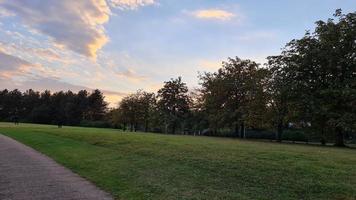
(26, 174)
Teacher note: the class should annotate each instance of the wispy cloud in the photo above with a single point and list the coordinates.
(11, 65)
(75, 25)
(131, 4)
(47, 54)
(15, 67)
(215, 14)
(131, 75)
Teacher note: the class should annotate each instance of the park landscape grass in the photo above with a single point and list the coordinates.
(157, 166)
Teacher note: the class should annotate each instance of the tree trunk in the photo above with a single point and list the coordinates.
(242, 131)
(136, 125)
(279, 132)
(174, 128)
(339, 137)
(131, 127)
(323, 140)
(165, 127)
(236, 130)
(146, 126)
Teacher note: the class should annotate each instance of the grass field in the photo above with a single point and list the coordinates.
(154, 166)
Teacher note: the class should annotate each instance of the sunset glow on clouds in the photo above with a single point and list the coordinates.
(120, 46)
(214, 14)
(11, 65)
(77, 25)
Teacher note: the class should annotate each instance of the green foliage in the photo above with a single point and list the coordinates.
(136, 110)
(234, 95)
(173, 103)
(66, 108)
(96, 106)
(321, 68)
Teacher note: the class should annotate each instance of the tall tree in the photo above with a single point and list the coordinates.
(173, 103)
(58, 101)
(43, 113)
(129, 111)
(30, 100)
(4, 108)
(14, 104)
(97, 106)
(233, 94)
(147, 105)
(279, 92)
(323, 69)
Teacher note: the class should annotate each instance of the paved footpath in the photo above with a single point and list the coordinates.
(26, 174)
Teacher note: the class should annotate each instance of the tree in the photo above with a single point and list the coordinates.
(58, 101)
(4, 108)
(82, 103)
(322, 68)
(173, 103)
(233, 95)
(14, 105)
(197, 120)
(30, 101)
(43, 113)
(62, 108)
(97, 106)
(137, 109)
(279, 92)
(147, 106)
(129, 111)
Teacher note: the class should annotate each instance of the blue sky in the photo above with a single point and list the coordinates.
(120, 46)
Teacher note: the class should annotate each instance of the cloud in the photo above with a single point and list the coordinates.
(75, 25)
(19, 68)
(131, 75)
(11, 65)
(47, 54)
(9, 62)
(216, 14)
(5, 13)
(130, 4)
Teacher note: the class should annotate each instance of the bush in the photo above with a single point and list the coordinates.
(260, 134)
(97, 124)
(294, 135)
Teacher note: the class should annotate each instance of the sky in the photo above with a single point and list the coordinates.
(120, 46)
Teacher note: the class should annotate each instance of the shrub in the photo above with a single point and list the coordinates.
(97, 124)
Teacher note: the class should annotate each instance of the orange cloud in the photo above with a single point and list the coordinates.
(216, 14)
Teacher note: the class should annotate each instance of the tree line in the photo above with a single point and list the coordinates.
(62, 108)
(308, 91)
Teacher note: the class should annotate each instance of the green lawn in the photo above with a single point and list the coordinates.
(154, 166)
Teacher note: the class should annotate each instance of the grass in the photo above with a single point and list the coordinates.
(154, 166)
